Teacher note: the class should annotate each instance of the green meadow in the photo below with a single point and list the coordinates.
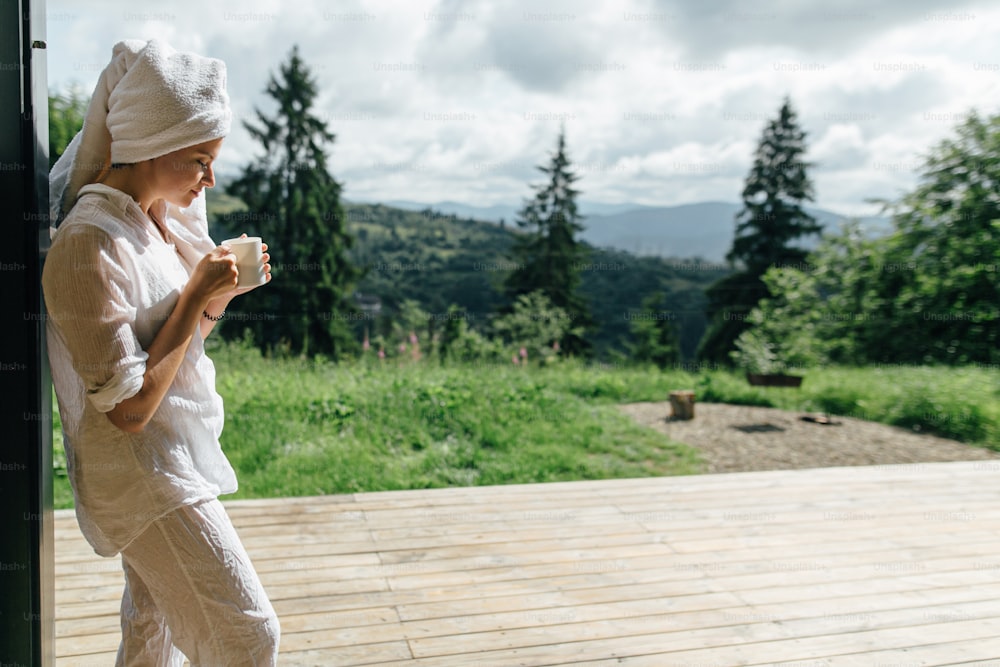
(299, 427)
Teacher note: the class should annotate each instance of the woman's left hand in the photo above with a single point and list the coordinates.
(221, 303)
(266, 258)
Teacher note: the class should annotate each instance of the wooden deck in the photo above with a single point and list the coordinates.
(894, 565)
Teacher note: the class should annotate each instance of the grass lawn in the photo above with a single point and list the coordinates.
(300, 428)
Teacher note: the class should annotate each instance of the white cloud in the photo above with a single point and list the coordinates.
(460, 100)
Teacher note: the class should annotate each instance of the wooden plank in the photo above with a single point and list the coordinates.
(367, 654)
(984, 653)
(882, 556)
(693, 629)
(87, 649)
(608, 605)
(92, 624)
(355, 637)
(727, 646)
(310, 620)
(822, 647)
(978, 653)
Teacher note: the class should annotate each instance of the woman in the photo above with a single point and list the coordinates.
(133, 285)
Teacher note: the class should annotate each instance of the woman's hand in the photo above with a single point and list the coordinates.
(265, 258)
(267, 273)
(215, 275)
(219, 304)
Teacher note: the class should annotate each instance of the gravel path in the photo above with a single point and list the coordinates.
(734, 438)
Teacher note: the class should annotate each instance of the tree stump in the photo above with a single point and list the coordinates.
(682, 405)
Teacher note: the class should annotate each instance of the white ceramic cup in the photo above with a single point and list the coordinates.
(249, 260)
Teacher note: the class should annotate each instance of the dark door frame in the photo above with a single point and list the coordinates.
(27, 601)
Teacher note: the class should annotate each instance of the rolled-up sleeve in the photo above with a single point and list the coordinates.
(86, 286)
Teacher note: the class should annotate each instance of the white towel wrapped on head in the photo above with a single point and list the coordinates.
(149, 101)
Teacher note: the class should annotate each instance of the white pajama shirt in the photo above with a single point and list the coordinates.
(110, 281)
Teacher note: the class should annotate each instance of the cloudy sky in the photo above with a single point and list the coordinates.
(663, 101)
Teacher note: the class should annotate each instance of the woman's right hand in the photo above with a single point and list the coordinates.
(215, 275)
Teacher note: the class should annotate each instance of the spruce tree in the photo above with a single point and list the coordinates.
(546, 252)
(294, 204)
(771, 219)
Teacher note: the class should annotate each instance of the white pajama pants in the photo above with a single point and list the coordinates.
(191, 591)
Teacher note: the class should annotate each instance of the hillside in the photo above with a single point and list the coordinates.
(704, 229)
(439, 259)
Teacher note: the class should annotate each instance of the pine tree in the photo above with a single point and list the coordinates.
(772, 215)
(294, 204)
(547, 253)
(771, 219)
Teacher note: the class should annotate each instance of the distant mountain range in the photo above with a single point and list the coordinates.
(703, 230)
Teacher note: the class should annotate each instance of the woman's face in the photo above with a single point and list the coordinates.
(181, 176)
